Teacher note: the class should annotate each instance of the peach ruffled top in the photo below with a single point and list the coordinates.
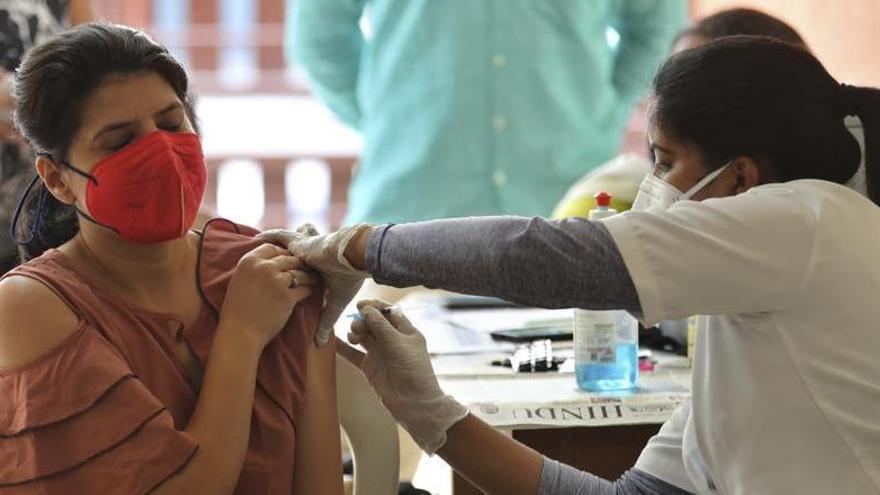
(106, 410)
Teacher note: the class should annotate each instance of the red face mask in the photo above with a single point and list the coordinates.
(149, 191)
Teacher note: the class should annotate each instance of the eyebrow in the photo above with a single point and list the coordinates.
(121, 125)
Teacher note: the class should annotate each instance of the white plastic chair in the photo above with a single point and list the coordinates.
(371, 431)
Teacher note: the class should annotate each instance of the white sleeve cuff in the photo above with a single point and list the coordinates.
(639, 267)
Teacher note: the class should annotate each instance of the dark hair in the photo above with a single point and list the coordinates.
(734, 22)
(51, 85)
(769, 100)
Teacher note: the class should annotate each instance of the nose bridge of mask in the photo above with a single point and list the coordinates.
(173, 151)
(166, 146)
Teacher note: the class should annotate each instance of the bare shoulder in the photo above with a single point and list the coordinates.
(33, 320)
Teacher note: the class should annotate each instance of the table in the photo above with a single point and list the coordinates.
(599, 432)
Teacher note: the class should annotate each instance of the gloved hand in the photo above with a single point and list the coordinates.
(398, 367)
(325, 253)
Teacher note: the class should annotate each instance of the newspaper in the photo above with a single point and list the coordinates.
(590, 411)
(540, 400)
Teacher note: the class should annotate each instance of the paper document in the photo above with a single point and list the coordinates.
(444, 337)
(491, 320)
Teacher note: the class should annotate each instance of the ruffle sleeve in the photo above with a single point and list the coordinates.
(282, 371)
(77, 420)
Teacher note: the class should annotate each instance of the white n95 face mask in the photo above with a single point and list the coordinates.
(655, 192)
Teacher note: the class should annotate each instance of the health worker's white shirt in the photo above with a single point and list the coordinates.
(786, 379)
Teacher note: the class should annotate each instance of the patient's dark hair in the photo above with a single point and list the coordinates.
(769, 100)
(734, 22)
(51, 85)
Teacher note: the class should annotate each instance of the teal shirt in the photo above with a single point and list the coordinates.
(478, 107)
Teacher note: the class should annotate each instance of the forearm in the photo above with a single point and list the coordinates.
(646, 29)
(498, 464)
(532, 261)
(491, 460)
(222, 418)
(318, 467)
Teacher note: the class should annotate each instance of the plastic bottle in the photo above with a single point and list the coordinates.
(691, 339)
(605, 342)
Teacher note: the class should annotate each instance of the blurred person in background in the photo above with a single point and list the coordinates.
(478, 107)
(475, 107)
(621, 176)
(23, 24)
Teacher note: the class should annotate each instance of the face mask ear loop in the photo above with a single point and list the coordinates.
(79, 172)
(38, 223)
(91, 219)
(41, 204)
(75, 170)
(705, 181)
(91, 178)
(18, 208)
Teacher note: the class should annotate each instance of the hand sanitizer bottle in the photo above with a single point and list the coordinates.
(605, 342)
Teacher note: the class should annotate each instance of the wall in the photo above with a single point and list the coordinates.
(844, 34)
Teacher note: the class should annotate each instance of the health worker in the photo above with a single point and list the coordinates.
(758, 216)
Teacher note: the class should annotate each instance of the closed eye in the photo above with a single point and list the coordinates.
(661, 170)
(117, 143)
(171, 127)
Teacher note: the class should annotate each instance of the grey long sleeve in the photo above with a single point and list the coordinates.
(530, 261)
(559, 479)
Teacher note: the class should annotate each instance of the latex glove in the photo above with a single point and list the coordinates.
(398, 367)
(325, 253)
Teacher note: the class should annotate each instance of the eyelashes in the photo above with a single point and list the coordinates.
(661, 169)
(130, 138)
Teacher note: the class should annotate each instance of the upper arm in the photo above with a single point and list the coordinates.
(318, 450)
(744, 254)
(33, 320)
(73, 420)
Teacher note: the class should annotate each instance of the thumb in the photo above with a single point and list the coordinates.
(401, 322)
(307, 230)
(303, 245)
(331, 313)
(325, 328)
(381, 329)
(376, 303)
(276, 236)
